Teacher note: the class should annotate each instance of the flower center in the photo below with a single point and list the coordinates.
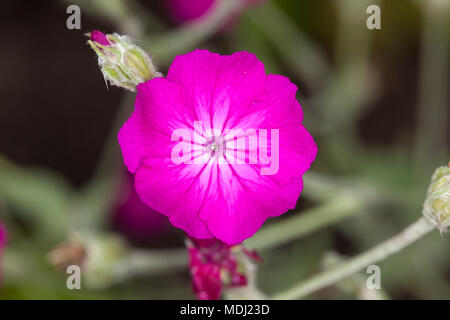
(215, 146)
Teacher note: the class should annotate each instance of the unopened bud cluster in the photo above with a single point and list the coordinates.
(98, 255)
(437, 205)
(122, 63)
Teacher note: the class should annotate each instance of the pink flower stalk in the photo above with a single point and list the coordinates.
(182, 11)
(137, 221)
(214, 266)
(100, 37)
(235, 187)
(3, 240)
(3, 236)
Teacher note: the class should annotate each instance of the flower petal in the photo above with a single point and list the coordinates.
(220, 86)
(160, 108)
(237, 205)
(176, 191)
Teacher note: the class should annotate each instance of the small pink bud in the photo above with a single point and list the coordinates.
(99, 37)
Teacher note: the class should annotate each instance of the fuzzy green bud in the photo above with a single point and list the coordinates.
(437, 205)
(99, 257)
(122, 63)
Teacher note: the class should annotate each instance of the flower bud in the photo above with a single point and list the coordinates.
(215, 265)
(66, 254)
(122, 63)
(99, 37)
(98, 255)
(437, 205)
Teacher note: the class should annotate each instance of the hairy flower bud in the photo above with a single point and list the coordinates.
(98, 255)
(122, 63)
(437, 205)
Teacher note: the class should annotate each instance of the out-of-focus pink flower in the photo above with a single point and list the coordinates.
(99, 37)
(225, 195)
(3, 240)
(213, 267)
(188, 10)
(3, 236)
(137, 221)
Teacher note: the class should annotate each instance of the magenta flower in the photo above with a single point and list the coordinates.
(210, 184)
(99, 37)
(187, 10)
(133, 218)
(214, 266)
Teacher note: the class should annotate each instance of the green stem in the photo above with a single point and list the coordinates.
(146, 262)
(432, 113)
(305, 223)
(320, 187)
(351, 86)
(354, 285)
(97, 194)
(300, 53)
(164, 47)
(343, 206)
(380, 252)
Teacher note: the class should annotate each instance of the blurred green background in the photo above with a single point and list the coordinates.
(376, 102)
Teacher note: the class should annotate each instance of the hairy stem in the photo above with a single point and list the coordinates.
(151, 262)
(380, 252)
